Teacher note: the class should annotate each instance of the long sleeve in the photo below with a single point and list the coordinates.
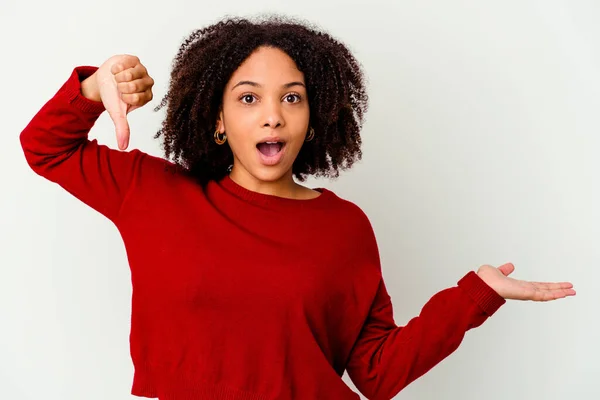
(56, 147)
(387, 357)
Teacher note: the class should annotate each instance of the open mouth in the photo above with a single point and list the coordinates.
(270, 149)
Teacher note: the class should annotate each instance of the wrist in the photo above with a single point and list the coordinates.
(89, 88)
(489, 277)
(485, 296)
(483, 276)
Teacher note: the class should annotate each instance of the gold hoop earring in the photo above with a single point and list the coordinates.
(220, 138)
(311, 134)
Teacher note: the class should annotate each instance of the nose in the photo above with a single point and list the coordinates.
(272, 116)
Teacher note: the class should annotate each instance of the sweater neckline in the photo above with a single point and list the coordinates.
(273, 201)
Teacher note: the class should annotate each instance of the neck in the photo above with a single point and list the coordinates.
(282, 187)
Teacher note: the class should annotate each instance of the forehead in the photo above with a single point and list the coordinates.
(268, 65)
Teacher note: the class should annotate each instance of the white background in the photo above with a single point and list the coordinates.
(480, 147)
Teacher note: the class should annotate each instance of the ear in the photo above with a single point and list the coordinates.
(220, 122)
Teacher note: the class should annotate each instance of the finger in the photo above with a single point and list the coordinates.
(119, 118)
(123, 135)
(552, 285)
(566, 292)
(507, 269)
(560, 293)
(124, 62)
(548, 295)
(137, 99)
(136, 86)
(543, 295)
(136, 72)
(569, 292)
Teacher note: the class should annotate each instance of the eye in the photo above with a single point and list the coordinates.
(292, 98)
(247, 98)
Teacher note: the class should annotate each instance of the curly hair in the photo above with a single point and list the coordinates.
(206, 61)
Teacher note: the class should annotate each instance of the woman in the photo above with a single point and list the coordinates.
(246, 284)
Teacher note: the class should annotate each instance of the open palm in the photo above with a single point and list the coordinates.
(515, 289)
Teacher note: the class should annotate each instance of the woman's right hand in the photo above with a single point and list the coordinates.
(122, 84)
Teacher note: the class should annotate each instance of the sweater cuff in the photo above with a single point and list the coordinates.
(486, 297)
(72, 90)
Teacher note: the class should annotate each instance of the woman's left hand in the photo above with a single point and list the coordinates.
(514, 289)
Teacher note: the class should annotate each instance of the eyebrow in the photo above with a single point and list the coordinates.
(287, 85)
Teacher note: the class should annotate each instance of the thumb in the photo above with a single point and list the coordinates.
(119, 118)
(115, 106)
(506, 269)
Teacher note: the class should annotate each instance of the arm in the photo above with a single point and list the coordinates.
(386, 357)
(56, 147)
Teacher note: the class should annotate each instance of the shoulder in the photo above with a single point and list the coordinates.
(154, 175)
(157, 168)
(356, 236)
(343, 204)
(349, 214)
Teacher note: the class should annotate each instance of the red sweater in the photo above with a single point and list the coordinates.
(245, 296)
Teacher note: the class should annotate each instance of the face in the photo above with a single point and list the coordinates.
(265, 115)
